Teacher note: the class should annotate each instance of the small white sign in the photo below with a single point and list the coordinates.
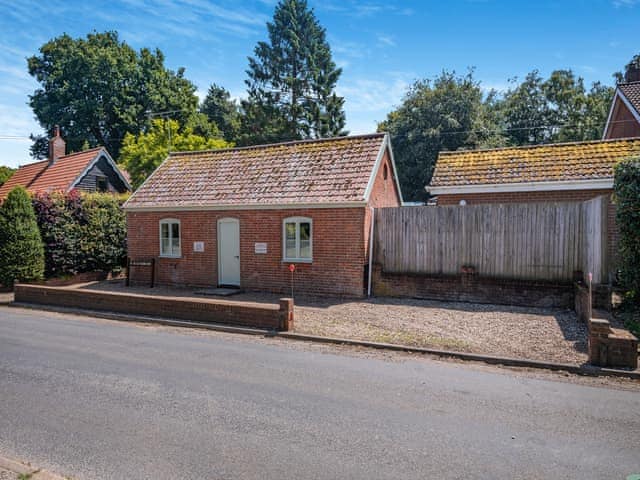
(261, 248)
(198, 246)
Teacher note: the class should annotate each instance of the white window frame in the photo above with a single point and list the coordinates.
(170, 222)
(297, 221)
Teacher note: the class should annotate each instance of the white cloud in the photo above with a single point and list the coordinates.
(386, 40)
(368, 95)
(625, 3)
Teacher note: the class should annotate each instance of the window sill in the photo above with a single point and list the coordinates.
(297, 260)
(170, 256)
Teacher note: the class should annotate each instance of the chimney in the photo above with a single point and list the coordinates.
(632, 74)
(57, 146)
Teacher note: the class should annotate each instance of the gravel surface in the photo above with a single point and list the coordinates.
(532, 333)
(7, 475)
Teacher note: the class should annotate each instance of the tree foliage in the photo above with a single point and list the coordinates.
(5, 174)
(292, 80)
(81, 232)
(98, 89)
(447, 113)
(558, 109)
(21, 249)
(143, 153)
(222, 111)
(627, 194)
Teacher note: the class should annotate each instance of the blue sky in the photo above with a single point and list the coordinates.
(382, 45)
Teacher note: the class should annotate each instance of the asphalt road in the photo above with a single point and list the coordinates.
(107, 400)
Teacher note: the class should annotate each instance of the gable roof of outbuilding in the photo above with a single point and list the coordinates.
(333, 172)
(567, 165)
(627, 96)
(62, 175)
(631, 91)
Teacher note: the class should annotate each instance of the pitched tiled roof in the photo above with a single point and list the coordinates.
(62, 174)
(40, 177)
(541, 163)
(24, 176)
(333, 170)
(632, 92)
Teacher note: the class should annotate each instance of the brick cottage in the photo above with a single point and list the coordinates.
(239, 217)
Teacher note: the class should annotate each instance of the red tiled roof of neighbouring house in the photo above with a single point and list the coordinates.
(632, 93)
(336, 170)
(561, 162)
(24, 176)
(62, 174)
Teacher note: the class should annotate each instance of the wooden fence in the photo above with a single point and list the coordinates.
(532, 241)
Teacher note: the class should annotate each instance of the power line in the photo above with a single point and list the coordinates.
(445, 132)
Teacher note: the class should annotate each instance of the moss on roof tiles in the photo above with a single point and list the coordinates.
(556, 162)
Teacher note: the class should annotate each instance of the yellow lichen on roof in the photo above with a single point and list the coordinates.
(542, 163)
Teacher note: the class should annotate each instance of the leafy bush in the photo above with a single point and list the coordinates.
(21, 250)
(627, 192)
(81, 232)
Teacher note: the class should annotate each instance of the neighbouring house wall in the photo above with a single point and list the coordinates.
(102, 168)
(622, 124)
(338, 254)
(546, 196)
(383, 194)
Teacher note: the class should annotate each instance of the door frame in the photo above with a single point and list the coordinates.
(219, 243)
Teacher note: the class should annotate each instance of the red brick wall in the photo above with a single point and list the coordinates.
(201, 310)
(623, 124)
(383, 194)
(338, 256)
(542, 196)
(521, 197)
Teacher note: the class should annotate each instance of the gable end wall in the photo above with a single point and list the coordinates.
(622, 123)
(383, 194)
(102, 168)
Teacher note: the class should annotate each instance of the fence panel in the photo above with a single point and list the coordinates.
(534, 241)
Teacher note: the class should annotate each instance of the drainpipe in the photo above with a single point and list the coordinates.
(371, 242)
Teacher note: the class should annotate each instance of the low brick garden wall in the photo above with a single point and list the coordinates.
(275, 317)
(472, 288)
(608, 347)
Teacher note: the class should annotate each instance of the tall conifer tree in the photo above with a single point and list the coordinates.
(292, 80)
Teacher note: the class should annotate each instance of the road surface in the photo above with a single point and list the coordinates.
(97, 399)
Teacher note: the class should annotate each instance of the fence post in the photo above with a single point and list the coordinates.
(153, 272)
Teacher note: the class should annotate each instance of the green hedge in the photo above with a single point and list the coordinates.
(21, 250)
(627, 192)
(81, 232)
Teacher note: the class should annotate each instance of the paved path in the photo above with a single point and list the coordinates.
(106, 400)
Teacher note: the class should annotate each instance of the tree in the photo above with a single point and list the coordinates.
(627, 194)
(222, 111)
(525, 111)
(5, 174)
(447, 113)
(558, 109)
(98, 89)
(143, 153)
(292, 80)
(21, 249)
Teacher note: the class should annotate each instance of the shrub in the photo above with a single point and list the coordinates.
(81, 232)
(627, 192)
(21, 249)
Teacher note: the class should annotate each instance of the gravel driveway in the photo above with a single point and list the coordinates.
(532, 333)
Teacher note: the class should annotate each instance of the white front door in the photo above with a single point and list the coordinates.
(229, 251)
